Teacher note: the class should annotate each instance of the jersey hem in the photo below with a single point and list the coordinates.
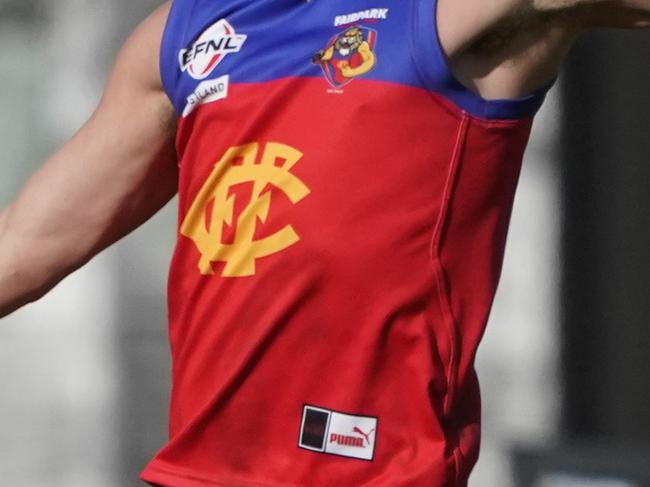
(165, 476)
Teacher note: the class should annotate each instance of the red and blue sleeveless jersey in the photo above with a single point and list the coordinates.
(343, 209)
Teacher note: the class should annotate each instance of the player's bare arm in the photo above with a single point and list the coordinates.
(602, 13)
(110, 177)
(510, 48)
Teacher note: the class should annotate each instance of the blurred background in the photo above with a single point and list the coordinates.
(565, 363)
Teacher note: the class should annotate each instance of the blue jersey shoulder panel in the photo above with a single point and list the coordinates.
(173, 36)
(253, 41)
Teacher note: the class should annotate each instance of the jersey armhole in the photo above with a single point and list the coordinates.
(173, 39)
(434, 68)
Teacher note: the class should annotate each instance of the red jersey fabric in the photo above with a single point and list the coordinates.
(340, 243)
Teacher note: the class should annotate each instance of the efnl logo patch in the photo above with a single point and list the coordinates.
(212, 46)
(326, 431)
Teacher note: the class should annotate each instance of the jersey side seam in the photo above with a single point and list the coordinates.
(442, 280)
(436, 246)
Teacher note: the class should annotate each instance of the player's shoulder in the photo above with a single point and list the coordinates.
(138, 60)
(151, 28)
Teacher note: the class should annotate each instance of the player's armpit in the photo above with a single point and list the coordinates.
(111, 176)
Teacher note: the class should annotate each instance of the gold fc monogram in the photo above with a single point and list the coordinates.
(214, 207)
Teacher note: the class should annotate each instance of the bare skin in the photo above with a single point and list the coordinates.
(110, 177)
(120, 168)
(509, 48)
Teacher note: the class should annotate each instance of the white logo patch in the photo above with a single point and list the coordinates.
(370, 14)
(326, 431)
(212, 46)
(207, 92)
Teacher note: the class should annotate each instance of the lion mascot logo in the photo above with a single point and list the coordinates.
(348, 55)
